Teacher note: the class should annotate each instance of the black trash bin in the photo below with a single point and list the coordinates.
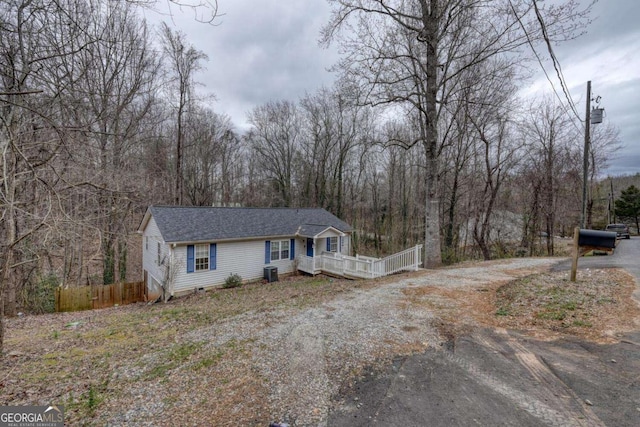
(271, 274)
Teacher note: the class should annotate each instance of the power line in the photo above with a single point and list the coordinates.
(556, 63)
(562, 103)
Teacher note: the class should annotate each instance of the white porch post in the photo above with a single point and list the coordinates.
(313, 256)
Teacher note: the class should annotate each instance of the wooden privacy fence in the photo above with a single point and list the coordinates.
(91, 297)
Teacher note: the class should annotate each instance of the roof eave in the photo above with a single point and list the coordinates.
(228, 240)
(145, 221)
(340, 233)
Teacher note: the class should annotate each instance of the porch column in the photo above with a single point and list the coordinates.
(315, 256)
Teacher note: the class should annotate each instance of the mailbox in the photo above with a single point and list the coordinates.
(597, 239)
(587, 240)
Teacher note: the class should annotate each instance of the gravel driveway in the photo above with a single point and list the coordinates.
(283, 352)
(307, 356)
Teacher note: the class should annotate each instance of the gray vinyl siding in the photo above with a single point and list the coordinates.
(243, 258)
(150, 252)
(346, 242)
(346, 245)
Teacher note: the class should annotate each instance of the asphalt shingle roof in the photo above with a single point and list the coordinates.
(195, 224)
(310, 230)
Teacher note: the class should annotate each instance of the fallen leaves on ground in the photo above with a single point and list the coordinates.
(120, 364)
(598, 306)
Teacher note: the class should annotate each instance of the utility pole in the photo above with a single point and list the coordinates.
(612, 204)
(585, 165)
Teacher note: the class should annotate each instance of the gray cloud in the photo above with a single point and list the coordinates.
(261, 51)
(267, 50)
(609, 56)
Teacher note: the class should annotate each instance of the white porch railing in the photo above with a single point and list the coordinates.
(306, 264)
(408, 259)
(361, 266)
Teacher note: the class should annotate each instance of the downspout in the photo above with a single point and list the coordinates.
(172, 266)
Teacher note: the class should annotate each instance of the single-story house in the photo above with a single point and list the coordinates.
(190, 248)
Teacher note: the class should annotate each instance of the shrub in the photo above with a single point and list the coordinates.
(233, 281)
(39, 296)
(521, 252)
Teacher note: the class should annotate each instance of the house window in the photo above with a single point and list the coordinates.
(202, 257)
(333, 244)
(146, 242)
(279, 250)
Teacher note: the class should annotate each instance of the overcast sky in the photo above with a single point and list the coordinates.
(268, 50)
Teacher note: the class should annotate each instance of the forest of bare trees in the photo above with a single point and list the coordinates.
(423, 137)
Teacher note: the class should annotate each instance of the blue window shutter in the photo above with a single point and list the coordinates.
(267, 252)
(328, 244)
(213, 249)
(292, 249)
(190, 259)
(340, 247)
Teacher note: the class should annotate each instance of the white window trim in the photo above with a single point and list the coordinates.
(280, 251)
(204, 257)
(333, 244)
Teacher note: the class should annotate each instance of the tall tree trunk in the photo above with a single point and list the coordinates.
(179, 178)
(432, 252)
(7, 281)
(451, 211)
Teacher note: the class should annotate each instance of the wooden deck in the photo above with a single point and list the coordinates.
(361, 267)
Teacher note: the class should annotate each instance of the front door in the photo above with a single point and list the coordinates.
(310, 247)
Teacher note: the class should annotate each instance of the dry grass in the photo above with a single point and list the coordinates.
(89, 361)
(598, 306)
(124, 364)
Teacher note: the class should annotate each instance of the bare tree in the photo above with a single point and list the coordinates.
(212, 150)
(605, 144)
(184, 62)
(204, 11)
(495, 160)
(32, 134)
(334, 126)
(117, 94)
(320, 141)
(276, 138)
(75, 84)
(412, 52)
(155, 156)
(548, 133)
(456, 157)
(402, 168)
(489, 110)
